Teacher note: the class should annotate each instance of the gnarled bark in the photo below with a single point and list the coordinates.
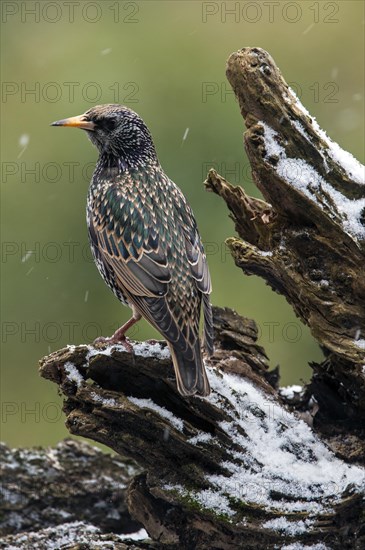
(225, 471)
(63, 496)
(308, 239)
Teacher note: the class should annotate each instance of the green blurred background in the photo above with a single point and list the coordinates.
(166, 60)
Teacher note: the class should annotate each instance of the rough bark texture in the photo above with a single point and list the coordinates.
(72, 536)
(73, 491)
(73, 481)
(299, 241)
(190, 447)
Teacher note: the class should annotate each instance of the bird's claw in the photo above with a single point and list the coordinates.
(115, 340)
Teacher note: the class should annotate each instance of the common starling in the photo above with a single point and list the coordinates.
(145, 240)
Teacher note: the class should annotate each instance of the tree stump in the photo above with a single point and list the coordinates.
(233, 470)
(308, 239)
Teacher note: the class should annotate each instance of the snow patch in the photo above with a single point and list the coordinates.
(360, 344)
(305, 178)
(300, 546)
(109, 402)
(142, 349)
(290, 391)
(202, 437)
(285, 457)
(287, 527)
(353, 168)
(138, 535)
(73, 374)
(215, 501)
(145, 349)
(64, 535)
(149, 404)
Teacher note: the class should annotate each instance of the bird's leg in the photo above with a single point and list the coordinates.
(119, 335)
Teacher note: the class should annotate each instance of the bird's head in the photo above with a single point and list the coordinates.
(117, 132)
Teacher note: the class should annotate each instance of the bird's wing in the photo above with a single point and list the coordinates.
(155, 254)
(198, 266)
(194, 247)
(128, 243)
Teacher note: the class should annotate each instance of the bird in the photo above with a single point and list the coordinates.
(145, 241)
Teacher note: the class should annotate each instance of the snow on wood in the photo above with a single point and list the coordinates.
(306, 179)
(237, 460)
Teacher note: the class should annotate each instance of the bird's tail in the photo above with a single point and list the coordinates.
(191, 376)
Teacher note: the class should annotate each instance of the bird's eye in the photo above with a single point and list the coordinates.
(109, 124)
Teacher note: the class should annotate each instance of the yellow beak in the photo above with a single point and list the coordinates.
(76, 122)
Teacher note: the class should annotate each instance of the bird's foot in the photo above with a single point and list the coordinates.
(119, 335)
(115, 339)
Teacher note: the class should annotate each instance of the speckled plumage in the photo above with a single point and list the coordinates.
(145, 240)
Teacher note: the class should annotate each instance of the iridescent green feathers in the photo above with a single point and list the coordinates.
(146, 234)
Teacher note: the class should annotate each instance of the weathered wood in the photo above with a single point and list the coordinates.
(225, 471)
(308, 240)
(72, 492)
(72, 536)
